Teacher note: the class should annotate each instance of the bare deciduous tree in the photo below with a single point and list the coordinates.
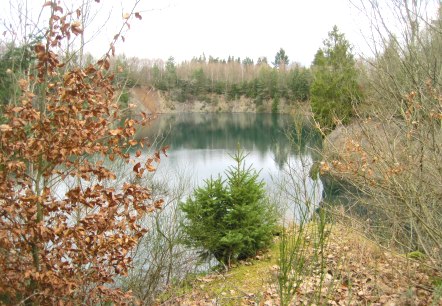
(392, 155)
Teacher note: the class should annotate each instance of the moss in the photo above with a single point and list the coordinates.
(244, 280)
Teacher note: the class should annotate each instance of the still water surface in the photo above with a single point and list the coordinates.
(200, 144)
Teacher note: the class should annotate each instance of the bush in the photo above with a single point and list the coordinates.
(230, 219)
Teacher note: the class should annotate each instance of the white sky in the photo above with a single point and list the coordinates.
(187, 28)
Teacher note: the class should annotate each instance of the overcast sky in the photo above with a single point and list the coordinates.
(187, 28)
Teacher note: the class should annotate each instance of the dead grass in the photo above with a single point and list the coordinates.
(358, 272)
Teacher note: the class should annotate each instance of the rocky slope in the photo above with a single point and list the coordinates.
(153, 101)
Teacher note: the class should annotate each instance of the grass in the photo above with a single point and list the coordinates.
(243, 283)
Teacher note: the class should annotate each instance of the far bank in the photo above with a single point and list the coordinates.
(151, 100)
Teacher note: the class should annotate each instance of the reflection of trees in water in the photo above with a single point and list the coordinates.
(258, 132)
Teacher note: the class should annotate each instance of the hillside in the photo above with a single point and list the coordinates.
(359, 272)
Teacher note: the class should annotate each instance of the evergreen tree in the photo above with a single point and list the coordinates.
(247, 61)
(230, 219)
(269, 79)
(281, 59)
(157, 77)
(334, 88)
(262, 61)
(198, 82)
(299, 80)
(171, 76)
(14, 62)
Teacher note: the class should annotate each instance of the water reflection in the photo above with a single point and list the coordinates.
(259, 133)
(201, 143)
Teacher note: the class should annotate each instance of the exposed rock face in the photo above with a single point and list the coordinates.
(153, 101)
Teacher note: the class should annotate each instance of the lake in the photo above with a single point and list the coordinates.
(282, 149)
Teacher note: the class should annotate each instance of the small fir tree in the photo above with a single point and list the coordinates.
(230, 219)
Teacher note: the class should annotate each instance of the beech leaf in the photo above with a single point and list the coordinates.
(5, 128)
(136, 168)
(164, 149)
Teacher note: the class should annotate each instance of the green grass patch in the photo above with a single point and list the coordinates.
(245, 281)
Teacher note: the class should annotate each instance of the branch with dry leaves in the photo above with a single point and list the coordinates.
(68, 249)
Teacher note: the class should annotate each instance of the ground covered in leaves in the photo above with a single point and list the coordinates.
(356, 272)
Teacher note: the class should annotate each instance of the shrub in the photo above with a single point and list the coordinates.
(230, 219)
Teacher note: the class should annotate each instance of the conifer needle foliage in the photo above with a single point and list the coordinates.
(232, 219)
